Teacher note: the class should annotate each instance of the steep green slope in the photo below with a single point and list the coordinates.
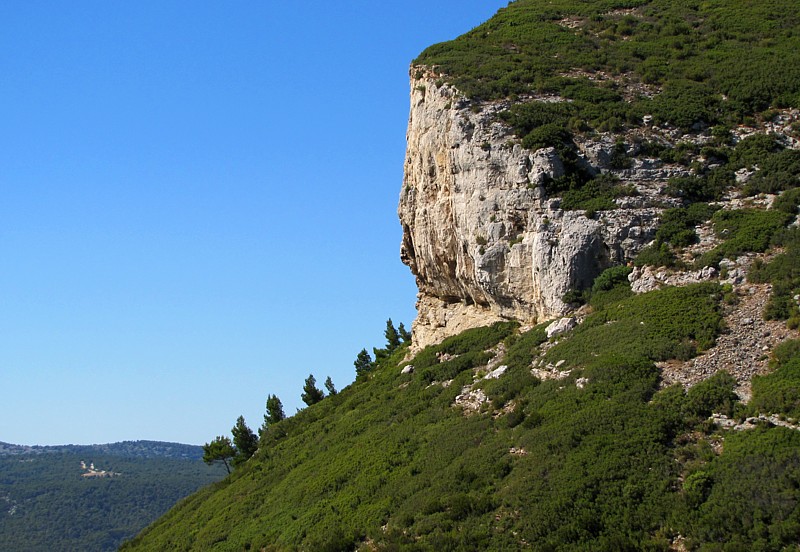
(599, 460)
(47, 504)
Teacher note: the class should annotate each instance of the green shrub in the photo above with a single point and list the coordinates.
(616, 372)
(707, 187)
(516, 416)
(575, 297)
(684, 103)
(509, 386)
(668, 406)
(783, 272)
(468, 348)
(761, 465)
(777, 172)
(779, 391)
(744, 230)
(657, 254)
(597, 194)
(714, 395)
(788, 201)
(697, 487)
(659, 325)
(523, 350)
(611, 278)
(752, 151)
(449, 369)
(785, 352)
(525, 117)
(682, 153)
(547, 135)
(677, 224)
(610, 286)
(619, 157)
(477, 338)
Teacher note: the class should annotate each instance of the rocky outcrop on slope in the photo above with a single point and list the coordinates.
(742, 350)
(480, 235)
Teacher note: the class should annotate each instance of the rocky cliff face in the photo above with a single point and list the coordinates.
(481, 237)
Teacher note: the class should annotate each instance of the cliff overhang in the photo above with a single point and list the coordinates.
(481, 235)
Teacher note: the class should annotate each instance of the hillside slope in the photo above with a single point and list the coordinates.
(588, 452)
(600, 208)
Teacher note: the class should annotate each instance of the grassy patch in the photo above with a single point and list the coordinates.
(664, 324)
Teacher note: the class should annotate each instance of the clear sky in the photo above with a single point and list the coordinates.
(198, 206)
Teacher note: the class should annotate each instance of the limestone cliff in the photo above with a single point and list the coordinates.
(481, 237)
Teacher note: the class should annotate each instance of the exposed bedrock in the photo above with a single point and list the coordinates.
(480, 235)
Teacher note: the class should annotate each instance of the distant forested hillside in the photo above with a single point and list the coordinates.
(52, 499)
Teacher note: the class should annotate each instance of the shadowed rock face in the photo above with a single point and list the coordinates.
(479, 234)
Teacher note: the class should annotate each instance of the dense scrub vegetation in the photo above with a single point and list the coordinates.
(618, 64)
(779, 391)
(46, 504)
(599, 460)
(748, 230)
(783, 272)
(714, 61)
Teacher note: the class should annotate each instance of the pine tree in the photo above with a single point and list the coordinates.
(404, 334)
(392, 337)
(311, 395)
(363, 363)
(244, 440)
(329, 386)
(274, 412)
(219, 450)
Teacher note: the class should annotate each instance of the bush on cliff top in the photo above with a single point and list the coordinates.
(714, 61)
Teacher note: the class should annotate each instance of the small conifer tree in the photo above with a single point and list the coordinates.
(274, 412)
(392, 336)
(245, 441)
(330, 387)
(219, 450)
(311, 394)
(405, 335)
(363, 363)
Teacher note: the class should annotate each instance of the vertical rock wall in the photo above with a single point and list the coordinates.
(479, 234)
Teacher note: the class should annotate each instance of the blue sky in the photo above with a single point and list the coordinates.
(198, 206)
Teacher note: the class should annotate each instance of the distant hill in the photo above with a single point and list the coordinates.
(131, 449)
(92, 497)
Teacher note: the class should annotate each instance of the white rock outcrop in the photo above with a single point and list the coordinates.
(560, 326)
(479, 234)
